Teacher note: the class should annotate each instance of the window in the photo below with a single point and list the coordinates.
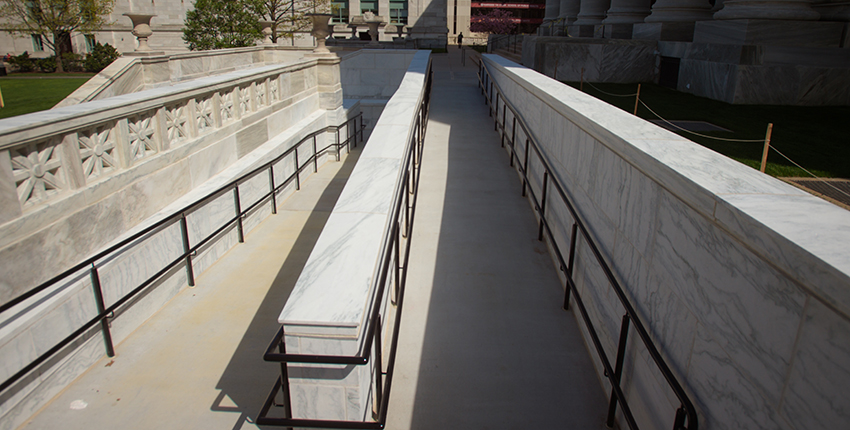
(90, 43)
(366, 6)
(37, 43)
(398, 11)
(339, 8)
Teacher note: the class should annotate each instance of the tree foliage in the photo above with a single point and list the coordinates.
(100, 57)
(55, 20)
(497, 21)
(219, 24)
(288, 16)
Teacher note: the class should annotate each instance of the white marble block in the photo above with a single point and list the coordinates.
(744, 293)
(329, 308)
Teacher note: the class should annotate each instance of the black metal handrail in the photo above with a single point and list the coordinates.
(104, 313)
(402, 216)
(686, 413)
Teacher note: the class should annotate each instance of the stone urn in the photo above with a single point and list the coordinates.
(373, 21)
(141, 29)
(267, 31)
(320, 30)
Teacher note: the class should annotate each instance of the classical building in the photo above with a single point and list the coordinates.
(420, 19)
(747, 52)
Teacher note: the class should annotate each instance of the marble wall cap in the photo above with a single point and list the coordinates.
(333, 294)
(804, 236)
(50, 122)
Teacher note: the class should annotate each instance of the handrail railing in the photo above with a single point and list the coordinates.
(189, 250)
(686, 417)
(402, 216)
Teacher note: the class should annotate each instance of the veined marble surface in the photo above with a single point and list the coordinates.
(333, 293)
(742, 280)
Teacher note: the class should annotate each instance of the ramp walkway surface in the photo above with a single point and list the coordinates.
(484, 343)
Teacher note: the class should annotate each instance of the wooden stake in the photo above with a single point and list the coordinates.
(637, 99)
(2, 104)
(581, 83)
(766, 147)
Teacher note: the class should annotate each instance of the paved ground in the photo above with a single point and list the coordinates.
(198, 363)
(484, 342)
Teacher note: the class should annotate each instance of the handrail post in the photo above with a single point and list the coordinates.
(101, 307)
(338, 146)
(407, 190)
(618, 369)
(379, 365)
(315, 156)
(240, 234)
(504, 121)
(570, 263)
(271, 189)
(184, 232)
(525, 169)
(513, 139)
(397, 238)
(543, 205)
(284, 378)
(297, 171)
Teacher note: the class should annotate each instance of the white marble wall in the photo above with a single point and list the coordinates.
(744, 291)
(602, 60)
(191, 131)
(126, 203)
(327, 310)
(373, 76)
(130, 74)
(373, 73)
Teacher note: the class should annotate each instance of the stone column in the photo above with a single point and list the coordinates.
(795, 10)
(627, 11)
(592, 12)
(680, 11)
(569, 11)
(552, 10)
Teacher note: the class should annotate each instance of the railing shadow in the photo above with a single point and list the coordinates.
(245, 379)
(498, 351)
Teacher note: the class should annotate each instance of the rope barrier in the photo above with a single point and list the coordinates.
(810, 173)
(722, 138)
(698, 134)
(610, 94)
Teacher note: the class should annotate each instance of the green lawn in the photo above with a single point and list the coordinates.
(35, 92)
(814, 137)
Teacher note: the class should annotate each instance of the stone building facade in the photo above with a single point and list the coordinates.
(777, 52)
(422, 19)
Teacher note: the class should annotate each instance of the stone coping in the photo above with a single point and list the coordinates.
(333, 294)
(800, 234)
(21, 129)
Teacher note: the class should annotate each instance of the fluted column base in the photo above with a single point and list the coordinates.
(680, 11)
(592, 12)
(793, 10)
(770, 32)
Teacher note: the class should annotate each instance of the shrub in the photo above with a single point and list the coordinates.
(22, 62)
(100, 57)
(47, 64)
(72, 62)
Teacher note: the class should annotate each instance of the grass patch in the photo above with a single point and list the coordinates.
(29, 94)
(439, 51)
(811, 136)
(480, 48)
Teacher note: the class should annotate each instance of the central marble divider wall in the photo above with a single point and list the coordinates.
(373, 76)
(327, 311)
(741, 279)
